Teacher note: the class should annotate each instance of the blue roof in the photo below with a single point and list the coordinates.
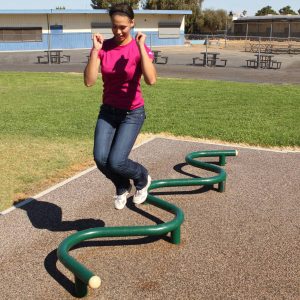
(93, 11)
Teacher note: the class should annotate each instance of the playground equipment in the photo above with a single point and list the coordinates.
(84, 277)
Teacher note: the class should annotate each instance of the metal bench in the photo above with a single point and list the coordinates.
(66, 58)
(251, 63)
(208, 62)
(161, 59)
(43, 59)
(224, 63)
(195, 59)
(294, 50)
(275, 64)
(264, 64)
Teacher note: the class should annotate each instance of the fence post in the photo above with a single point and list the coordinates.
(49, 39)
(206, 61)
(258, 61)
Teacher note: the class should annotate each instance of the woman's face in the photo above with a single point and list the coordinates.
(121, 26)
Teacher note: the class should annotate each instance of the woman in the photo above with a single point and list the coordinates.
(123, 60)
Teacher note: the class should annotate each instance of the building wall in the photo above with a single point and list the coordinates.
(24, 21)
(76, 29)
(268, 28)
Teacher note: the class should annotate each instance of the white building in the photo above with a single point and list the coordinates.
(71, 29)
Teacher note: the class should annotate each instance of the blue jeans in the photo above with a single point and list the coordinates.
(115, 134)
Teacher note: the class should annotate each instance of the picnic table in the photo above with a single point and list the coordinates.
(266, 48)
(209, 59)
(53, 57)
(158, 58)
(264, 61)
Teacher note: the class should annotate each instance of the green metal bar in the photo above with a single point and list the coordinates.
(222, 160)
(81, 288)
(175, 236)
(221, 186)
(84, 277)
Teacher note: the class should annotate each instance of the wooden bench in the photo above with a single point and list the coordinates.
(224, 63)
(160, 59)
(251, 63)
(275, 64)
(278, 50)
(195, 59)
(66, 58)
(294, 50)
(43, 59)
(209, 62)
(264, 64)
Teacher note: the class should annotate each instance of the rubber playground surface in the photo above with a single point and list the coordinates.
(241, 244)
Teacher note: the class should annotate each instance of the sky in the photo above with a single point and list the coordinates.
(251, 6)
(238, 6)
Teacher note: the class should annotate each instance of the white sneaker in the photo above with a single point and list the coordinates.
(121, 200)
(141, 195)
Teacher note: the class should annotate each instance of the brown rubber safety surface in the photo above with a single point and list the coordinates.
(241, 244)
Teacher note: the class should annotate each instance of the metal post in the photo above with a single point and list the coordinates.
(221, 187)
(175, 236)
(222, 160)
(81, 289)
(206, 61)
(226, 31)
(258, 59)
(49, 39)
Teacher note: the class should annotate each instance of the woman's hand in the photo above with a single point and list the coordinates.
(140, 38)
(97, 41)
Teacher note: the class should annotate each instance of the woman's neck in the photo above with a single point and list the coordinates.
(125, 42)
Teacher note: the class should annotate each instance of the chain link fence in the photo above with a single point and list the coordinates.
(254, 44)
(25, 42)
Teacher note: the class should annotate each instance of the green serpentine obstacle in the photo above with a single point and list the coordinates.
(84, 277)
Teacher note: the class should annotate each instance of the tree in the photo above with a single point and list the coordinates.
(299, 11)
(104, 4)
(193, 22)
(214, 20)
(267, 10)
(173, 4)
(244, 13)
(287, 10)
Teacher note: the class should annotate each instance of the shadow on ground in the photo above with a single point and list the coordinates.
(46, 215)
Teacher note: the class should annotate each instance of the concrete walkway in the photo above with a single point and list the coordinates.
(241, 244)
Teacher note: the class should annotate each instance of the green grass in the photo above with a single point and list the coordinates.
(256, 114)
(47, 121)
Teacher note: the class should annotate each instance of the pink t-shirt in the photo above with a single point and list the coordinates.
(121, 74)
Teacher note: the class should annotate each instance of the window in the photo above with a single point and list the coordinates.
(168, 30)
(21, 34)
(103, 28)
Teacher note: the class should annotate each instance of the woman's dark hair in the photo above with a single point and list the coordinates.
(121, 9)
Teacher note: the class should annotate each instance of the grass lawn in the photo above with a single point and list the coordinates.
(47, 121)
